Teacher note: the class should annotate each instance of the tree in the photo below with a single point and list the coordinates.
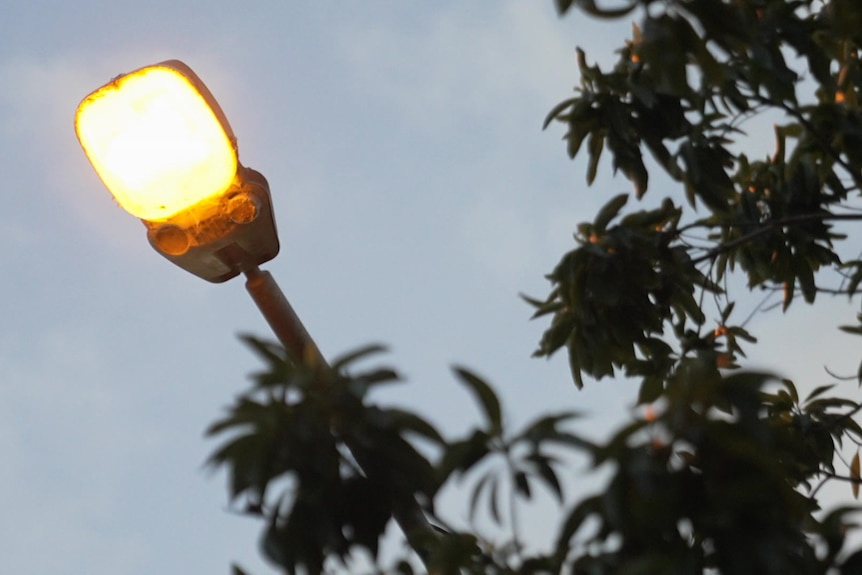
(723, 474)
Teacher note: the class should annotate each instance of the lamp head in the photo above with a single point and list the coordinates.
(163, 147)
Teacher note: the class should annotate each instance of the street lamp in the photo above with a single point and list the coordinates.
(163, 147)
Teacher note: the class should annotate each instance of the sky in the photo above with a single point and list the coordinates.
(415, 194)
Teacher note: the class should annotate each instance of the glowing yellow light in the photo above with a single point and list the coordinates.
(156, 142)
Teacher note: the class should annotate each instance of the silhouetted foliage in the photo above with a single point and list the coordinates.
(722, 474)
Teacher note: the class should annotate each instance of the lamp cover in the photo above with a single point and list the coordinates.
(158, 140)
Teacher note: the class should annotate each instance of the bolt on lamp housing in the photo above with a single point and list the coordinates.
(163, 147)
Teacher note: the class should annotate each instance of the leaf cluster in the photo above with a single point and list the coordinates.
(709, 483)
(525, 458)
(693, 73)
(712, 479)
(615, 294)
(340, 466)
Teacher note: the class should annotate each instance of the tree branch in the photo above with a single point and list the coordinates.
(770, 226)
(827, 147)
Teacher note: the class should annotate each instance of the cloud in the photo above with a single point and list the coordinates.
(466, 60)
(61, 424)
(471, 86)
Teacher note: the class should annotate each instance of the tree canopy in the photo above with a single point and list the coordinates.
(723, 473)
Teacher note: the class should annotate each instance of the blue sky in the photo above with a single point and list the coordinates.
(416, 196)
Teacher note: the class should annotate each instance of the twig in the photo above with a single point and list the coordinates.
(827, 147)
(770, 226)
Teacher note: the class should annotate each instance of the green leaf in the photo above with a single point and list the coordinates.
(855, 279)
(360, 384)
(822, 405)
(590, 7)
(453, 553)
(461, 455)
(741, 333)
(270, 352)
(818, 391)
(522, 484)
(575, 136)
(789, 289)
(725, 314)
(492, 501)
(477, 492)
(486, 397)
(547, 473)
(595, 145)
(852, 565)
(791, 389)
(545, 428)
(575, 364)
(563, 6)
(533, 301)
(650, 390)
(351, 357)
(407, 421)
(585, 509)
(663, 50)
(557, 110)
(805, 275)
(609, 211)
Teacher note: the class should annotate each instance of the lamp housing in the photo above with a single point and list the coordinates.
(163, 147)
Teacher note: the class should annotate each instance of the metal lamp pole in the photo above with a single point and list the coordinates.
(279, 314)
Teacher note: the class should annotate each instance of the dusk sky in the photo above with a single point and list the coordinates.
(416, 196)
